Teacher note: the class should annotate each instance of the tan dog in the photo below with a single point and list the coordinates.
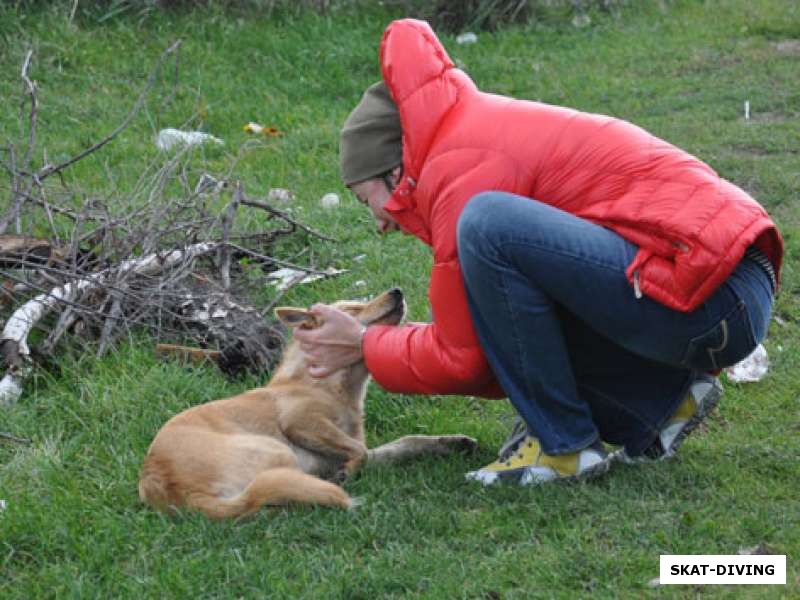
(272, 445)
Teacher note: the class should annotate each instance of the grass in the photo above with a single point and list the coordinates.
(73, 527)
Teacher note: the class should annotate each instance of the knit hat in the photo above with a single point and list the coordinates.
(371, 139)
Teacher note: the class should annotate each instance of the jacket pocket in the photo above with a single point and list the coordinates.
(725, 344)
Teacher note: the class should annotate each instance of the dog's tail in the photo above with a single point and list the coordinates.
(275, 487)
(153, 485)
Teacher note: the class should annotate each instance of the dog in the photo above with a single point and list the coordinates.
(282, 443)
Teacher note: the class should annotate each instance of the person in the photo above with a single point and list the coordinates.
(591, 272)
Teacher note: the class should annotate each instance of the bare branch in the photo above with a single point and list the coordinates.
(279, 213)
(49, 170)
(7, 437)
(228, 217)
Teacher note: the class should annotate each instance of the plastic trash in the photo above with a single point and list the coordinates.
(753, 368)
(170, 138)
(466, 38)
(330, 200)
(284, 278)
(280, 195)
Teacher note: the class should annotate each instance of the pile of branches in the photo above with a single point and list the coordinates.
(185, 254)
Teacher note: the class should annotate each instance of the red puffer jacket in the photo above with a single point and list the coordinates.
(692, 226)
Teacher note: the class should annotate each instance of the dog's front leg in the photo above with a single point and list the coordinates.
(322, 436)
(412, 446)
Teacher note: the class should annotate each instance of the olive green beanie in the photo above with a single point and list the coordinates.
(371, 139)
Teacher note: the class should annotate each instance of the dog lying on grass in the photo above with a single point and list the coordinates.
(279, 443)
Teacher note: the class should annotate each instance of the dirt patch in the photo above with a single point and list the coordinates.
(768, 116)
(788, 47)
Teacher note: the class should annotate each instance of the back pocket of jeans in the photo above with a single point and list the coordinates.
(725, 344)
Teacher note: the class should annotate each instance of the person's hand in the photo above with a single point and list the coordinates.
(333, 346)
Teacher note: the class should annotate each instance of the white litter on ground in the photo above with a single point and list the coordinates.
(581, 21)
(253, 128)
(280, 195)
(3, 505)
(466, 38)
(329, 200)
(286, 277)
(753, 368)
(170, 138)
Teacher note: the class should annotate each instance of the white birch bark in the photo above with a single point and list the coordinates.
(20, 323)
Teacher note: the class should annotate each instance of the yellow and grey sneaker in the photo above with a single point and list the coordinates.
(525, 463)
(703, 397)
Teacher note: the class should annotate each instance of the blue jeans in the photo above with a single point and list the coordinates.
(579, 356)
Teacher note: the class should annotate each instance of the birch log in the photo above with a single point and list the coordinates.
(14, 340)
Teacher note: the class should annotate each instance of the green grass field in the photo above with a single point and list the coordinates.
(73, 526)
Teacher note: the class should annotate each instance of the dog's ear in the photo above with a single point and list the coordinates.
(296, 317)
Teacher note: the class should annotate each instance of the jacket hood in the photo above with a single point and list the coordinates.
(424, 84)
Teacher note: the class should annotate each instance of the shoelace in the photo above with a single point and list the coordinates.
(518, 433)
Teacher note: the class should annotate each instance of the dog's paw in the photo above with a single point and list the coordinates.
(459, 443)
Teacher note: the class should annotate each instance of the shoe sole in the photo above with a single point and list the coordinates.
(489, 478)
(708, 405)
(595, 470)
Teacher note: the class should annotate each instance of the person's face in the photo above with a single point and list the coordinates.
(375, 194)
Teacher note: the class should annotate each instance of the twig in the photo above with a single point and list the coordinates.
(65, 321)
(18, 199)
(285, 217)
(111, 321)
(7, 437)
(228, 217)
(276, 261)
(49, 170)
(195, 355)
(73, 11)
(33, 115)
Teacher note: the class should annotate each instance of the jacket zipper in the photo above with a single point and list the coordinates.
(637, 288)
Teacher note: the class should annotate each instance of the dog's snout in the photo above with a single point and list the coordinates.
(396, 293)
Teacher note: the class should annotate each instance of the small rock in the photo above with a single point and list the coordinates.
(760, 549)
(581, 20)
(329, 200)
(466, 38)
